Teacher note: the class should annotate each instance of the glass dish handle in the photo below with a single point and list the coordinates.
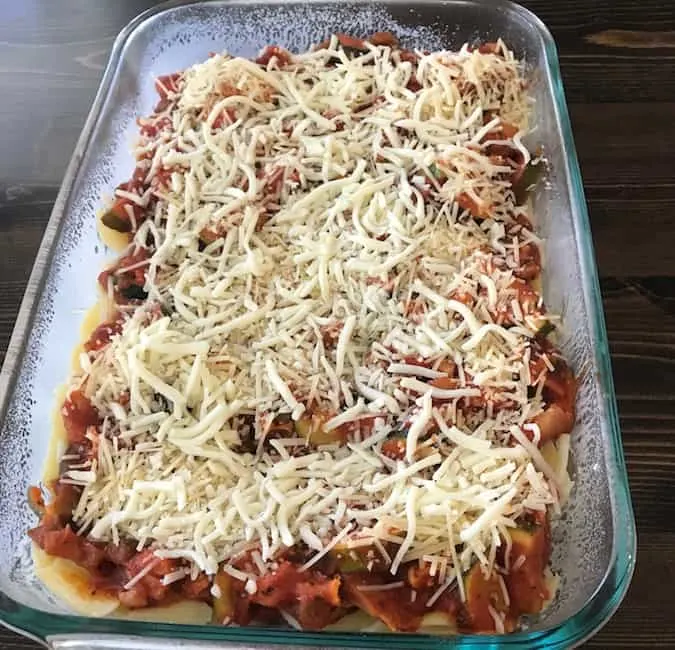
(120, 642)
(124, 642)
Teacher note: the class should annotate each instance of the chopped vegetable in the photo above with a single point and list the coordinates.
(546, 328)
(530, 176)
(530, 550)
(134, 292)
(360, 558)
(224, 602)
(112, 220)
(311, 428)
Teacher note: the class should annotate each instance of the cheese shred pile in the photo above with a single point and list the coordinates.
(312, 265)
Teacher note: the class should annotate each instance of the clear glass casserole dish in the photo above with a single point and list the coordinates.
(593, 541)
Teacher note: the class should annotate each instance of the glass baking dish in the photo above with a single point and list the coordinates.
(594, 540)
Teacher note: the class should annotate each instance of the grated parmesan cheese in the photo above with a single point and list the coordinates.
(305, 272)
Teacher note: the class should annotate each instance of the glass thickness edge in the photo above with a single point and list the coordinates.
(612, 590)
(571, 633)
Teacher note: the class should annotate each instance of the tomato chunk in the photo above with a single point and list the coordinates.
(482, 595)
(282, 56)
(102, 335)
(65, 543)
(127, 276)
(476, 208)
(560, 390)
(78, 415)
(167, 84)
(314, 596)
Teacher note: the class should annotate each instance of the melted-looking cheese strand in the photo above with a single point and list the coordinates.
(347, 244)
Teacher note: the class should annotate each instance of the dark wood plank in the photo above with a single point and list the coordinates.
(24, 211)
(618, 64)
(644, 621)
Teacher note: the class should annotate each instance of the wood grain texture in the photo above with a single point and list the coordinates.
(618, 66)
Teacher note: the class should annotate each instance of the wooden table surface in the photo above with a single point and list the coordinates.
(618, 64)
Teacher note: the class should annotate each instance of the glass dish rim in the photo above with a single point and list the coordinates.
(587, 620)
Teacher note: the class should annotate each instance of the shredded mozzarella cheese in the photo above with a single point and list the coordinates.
(306, 273)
